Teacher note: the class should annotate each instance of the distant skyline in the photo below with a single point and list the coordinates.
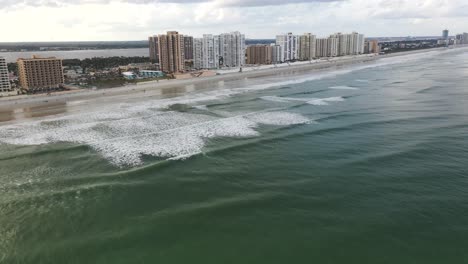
(113, 20)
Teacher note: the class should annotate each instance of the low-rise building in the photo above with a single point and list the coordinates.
(144, 74)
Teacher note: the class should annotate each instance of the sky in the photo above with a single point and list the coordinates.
(106, 20)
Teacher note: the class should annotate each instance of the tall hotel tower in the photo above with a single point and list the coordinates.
(171, 52)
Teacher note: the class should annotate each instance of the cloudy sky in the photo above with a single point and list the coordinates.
(68, 20)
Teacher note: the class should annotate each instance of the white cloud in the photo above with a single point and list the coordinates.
(49, 20)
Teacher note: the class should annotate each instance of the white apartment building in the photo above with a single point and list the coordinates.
(277, 55)
(321, 47)
(232, 49)
(206, 52)
(356, 43)
(360, 44)
(327, 47)
(215, 51)
(332, 47)
(290, 45)
(343, 47)
(350, 44)
(5, 87)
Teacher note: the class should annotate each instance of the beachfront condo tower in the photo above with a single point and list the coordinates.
(232, 49)
(276, 54)
(40, 73)
(259, 54)
(188, 48)
(216, 51)
(350, 44)
(206, 52)
(5, 86)
(371, 46)
(153, 49)
(171, 52)
(307, 47)
(290, 46)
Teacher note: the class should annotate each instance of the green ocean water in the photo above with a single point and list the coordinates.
(361, 164)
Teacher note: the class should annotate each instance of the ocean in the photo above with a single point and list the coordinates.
(366, 163)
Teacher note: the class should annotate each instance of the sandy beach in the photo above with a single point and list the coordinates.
(10, 103)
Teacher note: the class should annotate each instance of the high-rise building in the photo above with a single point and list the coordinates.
(232, 49)
(461, 39)
(277, 54)
(353, 43)
(40, 73)
(371, 46)
(327, 47)
(197, 53)
(307, 46)
(350, 44)
(4, 79)
(206, 52)
(153, 49)
(445, 34)
(171, 52)
(332, 47)
(259, 54)
(360, 44)
(188, 47)
(321, 47)
(290, 46)
(344, 48)
(214, 51)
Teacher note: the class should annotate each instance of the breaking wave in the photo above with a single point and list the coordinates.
(311, 101)
(124, 136)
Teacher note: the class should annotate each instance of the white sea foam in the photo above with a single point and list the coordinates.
(276, 99)
(278, 118)
(127, 134)
(311, 101)
(343, 88)
(324, 101)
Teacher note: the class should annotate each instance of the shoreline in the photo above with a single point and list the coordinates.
(9, 103)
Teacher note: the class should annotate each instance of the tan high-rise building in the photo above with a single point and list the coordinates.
(40, 73)
(373, 46)
(171, 52)
(153, 49)
(259, 54)
(307, 47)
